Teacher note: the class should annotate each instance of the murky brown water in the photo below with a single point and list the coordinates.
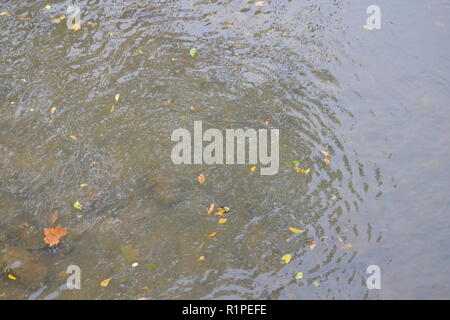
(377, 101)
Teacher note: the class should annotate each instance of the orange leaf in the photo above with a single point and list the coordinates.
(201, 178)
(211, 208)
(222, 221)
(212, 234)
(53, 235)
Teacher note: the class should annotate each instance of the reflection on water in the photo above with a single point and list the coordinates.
(61, 127)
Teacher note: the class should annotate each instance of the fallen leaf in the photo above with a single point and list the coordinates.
(53, 235)
(316, 283)
(151, 266)
(223, 220)
(76, 27)
(117, 97)
(299, 275)
(295, 230)
(53, 110)
(326, 161)
(62, 17)
(211, 208)
(312, 246)
(193, 52)
(201, 258)
(134, 265)
(112, 108)
(105, 282)
(168, 101)
(5, 13)
(260, 3)
(286, 258)
(212, 234)
(366, 27)
(94, 162)
(325, 153)
(145, 288)
(182, 117)
(2, 294)
(48, 7)
(295, 162)
(253, 168)
(78, 205)
(12, 277)
(348, 246)
(201, 178)
(267, 123)
(303, 171)
(74, 138)
(23, 19)
(83, 185)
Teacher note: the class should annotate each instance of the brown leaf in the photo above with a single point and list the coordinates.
(201, 178)
(212, 234)
(53, 235)
(211, 208)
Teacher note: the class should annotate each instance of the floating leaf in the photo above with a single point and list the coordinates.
(267, 123)
(12, 277)
(299, 275)
(253, 168)
(134, 265)
(74, 138)
(193, 52)
(151, 266)
(53, 110)
(78, 205)
(326, 161)
(53, 235)
(201, 258)
(53, 217)
(295, 162)
(83, 185)
(168, 101)
(312, 246)
(182, 117)
(286, 258)
(212, 234)
(211, 208)
(76, 27)
(112, 108)
(260, 3)
(117, 97)
(316, 283)
(295, 230)
(303, 171)
(325, 153)
(223, 220)
(23, 19)
(48, 7)
(201, 178)
(348, 246)
(5, 13)
(105, 282)
(366, 27)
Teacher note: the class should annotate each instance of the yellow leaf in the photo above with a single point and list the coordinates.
(105, 282)
(260, 3)
(286, 258)
(312, 246)
(76, 27)
(212, 234)
(83, 185)
(48, 7)
(53, 110)
(62, 17)
(77, 205)
(201, 258)
(223, 220)
(74, 138)
(267, 123)
(304, 171)
(117, 97)
(113, 108)
(12, 102)
(366, 27)
(253, 168)
(295, 230)
(5, 13)
(12, 277)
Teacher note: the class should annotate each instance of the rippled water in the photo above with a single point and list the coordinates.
(376, 101)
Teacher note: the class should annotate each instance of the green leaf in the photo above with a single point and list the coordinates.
(193, 52)
(299, 275)
(295, 162)
(181, 117)
(151, 266)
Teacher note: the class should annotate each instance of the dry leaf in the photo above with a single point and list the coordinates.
(295, 230)
(76, 27)
(53, 235)
(267, 123)
(212, 234)
(253, 168)
(211, 208)
(223, 220)
(201, 178)
(12, 277)
(117, 97)
(105, 282)
(168, 101)
(325, 153)
(326, 161)
(5, 13)
(260, 3)
(304, 171)
(74, 138)
(312, 246)
(94, 162)
(201, 258)
(83, 185)
(53, 110)
(78, 205)
(23, 19)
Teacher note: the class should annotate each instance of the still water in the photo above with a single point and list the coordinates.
(375, 101)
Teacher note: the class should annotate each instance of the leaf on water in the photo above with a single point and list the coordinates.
(212, 234)
(312, 246)
(74, 138)
(94, 162)
(348, 246)
(253, 168)
(295, 162)
(105, 282)
(23, 19)
(83, 185)
(223, 220)
(267, 123)
(182, 117)
(295, 230)
(134, 265)
(193, 52)
(168, 101)
(211, 208)
(48, 7)
(326, 161)
(62, 17)
(151, 266)
(53, 217)
(299, 275)
(117, 97)
(201, 178)
(286, 258)
(201, 258)
(260, 3)
(325, 153)
(316, 283)
(366, 27)
(76, 27)
(53, 110)
(112, 108)
(303, 171)
(78, 205)
(53, 235)
(5, 13)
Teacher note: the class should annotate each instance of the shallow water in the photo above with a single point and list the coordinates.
(377, 101)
